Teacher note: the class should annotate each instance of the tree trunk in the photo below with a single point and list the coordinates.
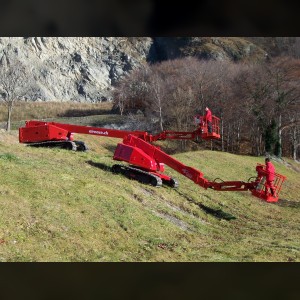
(222, 134)
(279, 137)
(294, 143)
(258, 142)
(121, 107)
(228, 138)
(232, 140)
(161, 119)
(9, 111)
(295, 151)
(257, 146)
(238, 137)
(252, 139)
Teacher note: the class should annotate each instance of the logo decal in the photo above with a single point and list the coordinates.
(98, 132)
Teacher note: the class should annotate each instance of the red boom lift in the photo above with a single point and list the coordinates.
(146, 161)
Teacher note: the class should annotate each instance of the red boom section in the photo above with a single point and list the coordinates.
(38, 131)
(232, 185)
(176, 135)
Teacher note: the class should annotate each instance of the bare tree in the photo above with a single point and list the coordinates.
(15, 83)
(120, 98)
(130, 92)
(295, 139)
(285, 76)
(247, 97)
(157, 104)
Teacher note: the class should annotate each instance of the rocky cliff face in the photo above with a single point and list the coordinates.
(216, 48)
(76, 68)
(86, 68)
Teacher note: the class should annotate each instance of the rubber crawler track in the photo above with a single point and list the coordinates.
(69, 145)
(137, 174)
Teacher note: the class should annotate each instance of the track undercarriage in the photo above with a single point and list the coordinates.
(68, 145)
(143, 176)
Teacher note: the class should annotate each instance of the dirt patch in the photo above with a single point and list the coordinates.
(147, 192)
(184, 212)
(293, 167)
(10, 138)
(179, 223)
(217, 213)
(138, 198)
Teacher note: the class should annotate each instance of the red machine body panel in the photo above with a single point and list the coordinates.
(135, 156)
(42, 133)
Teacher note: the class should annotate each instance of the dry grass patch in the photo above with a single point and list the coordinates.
(42, 110)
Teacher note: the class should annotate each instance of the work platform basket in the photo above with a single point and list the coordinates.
(263, 189)
(214, 133)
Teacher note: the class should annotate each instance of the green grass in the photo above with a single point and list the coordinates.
(58, 205)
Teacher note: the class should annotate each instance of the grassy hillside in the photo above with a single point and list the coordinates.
(58, 205)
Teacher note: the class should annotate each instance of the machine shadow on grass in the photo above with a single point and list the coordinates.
(217, 213)
(110, 148)
(101, 166)
(287, 203)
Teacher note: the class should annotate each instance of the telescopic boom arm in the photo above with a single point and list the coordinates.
(147, 160)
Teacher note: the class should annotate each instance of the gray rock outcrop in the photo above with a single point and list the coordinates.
(76, 68)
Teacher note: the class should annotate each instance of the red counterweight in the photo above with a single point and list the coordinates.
(45, 132)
